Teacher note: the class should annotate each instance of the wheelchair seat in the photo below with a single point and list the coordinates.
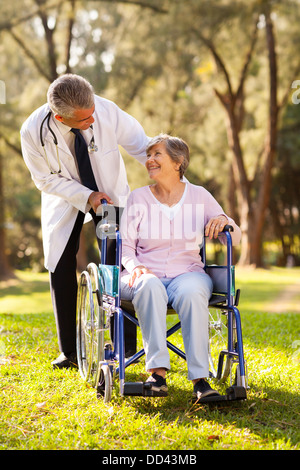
(218, 274)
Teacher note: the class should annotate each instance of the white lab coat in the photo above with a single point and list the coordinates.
(63, 195)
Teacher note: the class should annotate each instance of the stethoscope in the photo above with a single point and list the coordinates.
(92, 147)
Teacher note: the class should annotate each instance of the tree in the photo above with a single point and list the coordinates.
(51, 38)
(5, 268)
(253, 195)
(178, 67)
(284, 202)
(34, 44)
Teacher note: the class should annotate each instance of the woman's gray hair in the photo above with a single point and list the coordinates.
(176, 148)
(70, 92)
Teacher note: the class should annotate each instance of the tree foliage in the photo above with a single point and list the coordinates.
(216, 73)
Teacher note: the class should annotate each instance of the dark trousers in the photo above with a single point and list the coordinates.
(63, 287)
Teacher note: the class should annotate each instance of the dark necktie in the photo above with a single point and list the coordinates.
(83, 160)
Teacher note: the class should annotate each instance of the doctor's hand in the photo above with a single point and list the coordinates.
(137, 272)
(95, 200)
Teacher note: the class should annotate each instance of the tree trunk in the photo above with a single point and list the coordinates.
(269, 150)
(240, 180)
(5, 269)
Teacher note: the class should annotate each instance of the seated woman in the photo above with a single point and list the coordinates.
(162, 228)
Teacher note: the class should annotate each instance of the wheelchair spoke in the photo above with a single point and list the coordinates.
(221, 360)
(85, 326)
(218, 333)
(93, 325)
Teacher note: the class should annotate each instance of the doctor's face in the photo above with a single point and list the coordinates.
(81, 119)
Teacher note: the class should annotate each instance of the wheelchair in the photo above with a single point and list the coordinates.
(100, 346)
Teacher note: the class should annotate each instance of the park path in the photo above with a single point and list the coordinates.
(288, 300)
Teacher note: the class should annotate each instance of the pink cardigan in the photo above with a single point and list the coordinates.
(168, 246)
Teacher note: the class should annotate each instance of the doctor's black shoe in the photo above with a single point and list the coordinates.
(203, 389)
(65, 361)
(158, 384)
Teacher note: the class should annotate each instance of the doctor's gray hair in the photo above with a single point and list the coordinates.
(176, 148)
(70, 92)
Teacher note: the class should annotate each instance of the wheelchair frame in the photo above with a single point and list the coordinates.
(100, 359)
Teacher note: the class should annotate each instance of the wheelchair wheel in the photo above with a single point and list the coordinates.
(105, 383)
(220, 365)
(85, 324)
(97, 348)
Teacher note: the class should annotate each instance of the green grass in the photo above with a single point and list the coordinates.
(27, 293)
(45, 409)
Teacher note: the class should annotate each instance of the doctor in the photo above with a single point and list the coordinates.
(51, 151)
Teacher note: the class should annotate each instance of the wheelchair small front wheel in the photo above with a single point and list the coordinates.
(105, 383)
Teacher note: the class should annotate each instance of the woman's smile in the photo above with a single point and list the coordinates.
(153, 167)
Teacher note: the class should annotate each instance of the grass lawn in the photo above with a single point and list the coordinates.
(42, 409)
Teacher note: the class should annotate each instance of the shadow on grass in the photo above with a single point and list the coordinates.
(270, 413)
(27, 293)
(21, 286)
(272, 416)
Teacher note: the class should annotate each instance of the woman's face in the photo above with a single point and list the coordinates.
(159, 163)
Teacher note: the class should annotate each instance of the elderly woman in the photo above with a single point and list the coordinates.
(162, 228)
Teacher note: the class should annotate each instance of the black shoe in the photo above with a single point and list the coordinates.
(65, 361)
(203, 389)
(158, 384)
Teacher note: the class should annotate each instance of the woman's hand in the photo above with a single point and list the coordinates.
(137, 272)
(215, 225)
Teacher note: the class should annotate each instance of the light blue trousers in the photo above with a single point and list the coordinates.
(188, 294)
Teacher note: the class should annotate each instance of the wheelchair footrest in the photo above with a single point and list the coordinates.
(236, 393)
(232, 393)
(142, 389)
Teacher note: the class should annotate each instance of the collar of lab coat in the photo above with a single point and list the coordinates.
(64, 129)
(59, 133)
(61, 130)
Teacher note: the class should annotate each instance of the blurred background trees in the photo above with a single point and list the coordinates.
(217, 73)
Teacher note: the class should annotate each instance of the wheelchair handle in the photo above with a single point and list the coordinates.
(228, 228)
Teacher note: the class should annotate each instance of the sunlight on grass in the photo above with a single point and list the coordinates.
(46, 409)
(27, 293)
(267, 285)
